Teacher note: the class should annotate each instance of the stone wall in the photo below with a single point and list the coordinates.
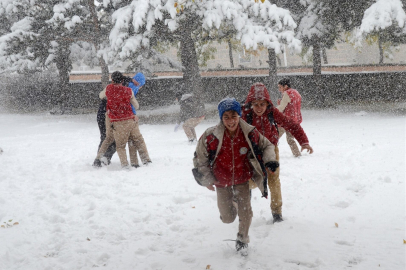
(337, 88)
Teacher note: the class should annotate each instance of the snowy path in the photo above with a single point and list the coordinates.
(72, 216)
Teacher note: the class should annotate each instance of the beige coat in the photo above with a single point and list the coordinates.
(202, 163)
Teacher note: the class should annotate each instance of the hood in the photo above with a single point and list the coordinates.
(186, 96)
(140, 78)
(258, 91)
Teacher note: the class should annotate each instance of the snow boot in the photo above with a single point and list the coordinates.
(105, 161)
(135, 165)
(240, 245)
(147, 162)
(277, 218)
(97, 163)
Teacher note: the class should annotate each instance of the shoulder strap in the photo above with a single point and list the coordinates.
(272, 119)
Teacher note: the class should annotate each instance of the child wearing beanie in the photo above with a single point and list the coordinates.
(227, 156)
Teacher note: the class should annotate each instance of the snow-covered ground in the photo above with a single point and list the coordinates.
(344, 206)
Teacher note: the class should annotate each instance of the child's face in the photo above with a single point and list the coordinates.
(282, 88)
(259, 106)
(230, 120)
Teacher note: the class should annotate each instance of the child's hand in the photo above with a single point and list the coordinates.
(211, 187)
(135, 82)
(307, 147)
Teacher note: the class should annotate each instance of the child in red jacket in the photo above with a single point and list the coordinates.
(290, 105)
(260, 112)
(229, 155)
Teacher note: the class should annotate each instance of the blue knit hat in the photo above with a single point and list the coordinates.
(229, 104)
(140, 78)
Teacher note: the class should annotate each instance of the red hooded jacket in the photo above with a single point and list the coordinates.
(293, 108)
(263, 123)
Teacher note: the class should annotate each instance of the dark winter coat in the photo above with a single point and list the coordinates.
(190, 107)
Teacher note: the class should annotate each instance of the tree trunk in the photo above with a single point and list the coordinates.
(105, 72)
(316, 57)
(319, 95)
(380, 50)
(324, 53)
(273, 75)
(64, 66)
(230, 53)
(191, 72)
(96, 42)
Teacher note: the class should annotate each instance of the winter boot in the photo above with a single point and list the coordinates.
(97, 163)
(240, 245)
(135, 165)
(277, 218)
(105, 161)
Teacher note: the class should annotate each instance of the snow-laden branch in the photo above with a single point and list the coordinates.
(254, 23)
(383, 14)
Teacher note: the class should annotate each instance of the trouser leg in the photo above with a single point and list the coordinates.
(189, 127)
(101, 122)
(140, 145)
(242, 194)
(132, 148)
(109, 133)
(108, 140)
(293, 146)
(274, 184)
(121, 131)
(228, 212)
(281, 131)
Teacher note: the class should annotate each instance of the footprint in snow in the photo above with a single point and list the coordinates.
(344, 243)
(182, 200)
(342, 204)
(305, 264)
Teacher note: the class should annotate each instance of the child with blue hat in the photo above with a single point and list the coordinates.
(227, 156)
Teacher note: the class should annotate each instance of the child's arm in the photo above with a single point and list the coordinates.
(134, 102)
(202, 163)
(268, 149)
(102, 94)
(284, 102)
(292, 126)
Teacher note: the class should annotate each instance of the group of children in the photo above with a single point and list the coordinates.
(241, 153)
(118, 122)
(233, 157)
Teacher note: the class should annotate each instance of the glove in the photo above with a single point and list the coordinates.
(177, 126)
(272, 165)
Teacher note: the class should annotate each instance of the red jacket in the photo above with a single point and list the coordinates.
(118, 102)
(293, 108)
(264, 122)
(232, 165)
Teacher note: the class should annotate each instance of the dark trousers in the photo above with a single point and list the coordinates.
(101, 121)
